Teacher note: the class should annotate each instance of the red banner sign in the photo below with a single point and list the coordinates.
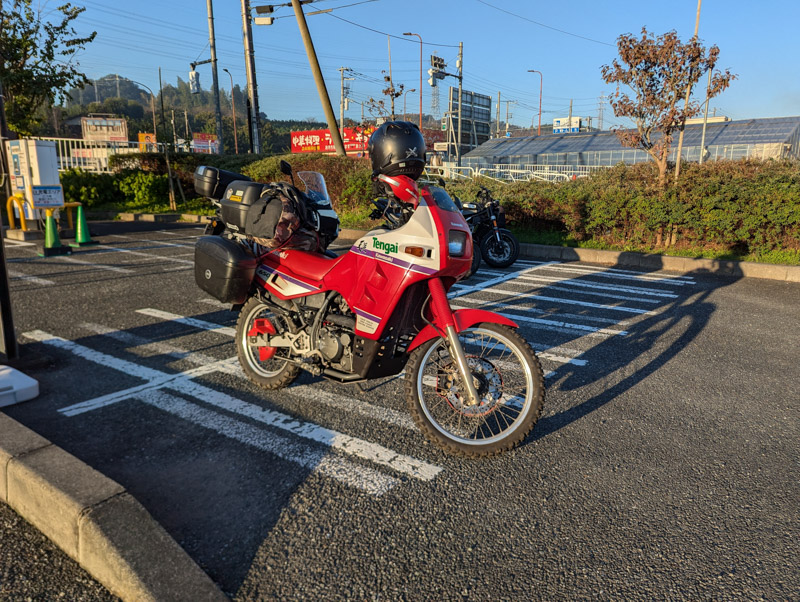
(319, 141)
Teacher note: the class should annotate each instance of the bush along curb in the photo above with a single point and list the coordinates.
(749, 269)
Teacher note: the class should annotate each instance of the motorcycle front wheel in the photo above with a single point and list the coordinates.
(499, 253)
(476, 260)
(265, 366)
(507, 376)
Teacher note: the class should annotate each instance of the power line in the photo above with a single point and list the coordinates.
(574, 35)
(383, 33)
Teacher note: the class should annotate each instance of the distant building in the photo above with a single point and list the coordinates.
(104, 127)
(776, 138)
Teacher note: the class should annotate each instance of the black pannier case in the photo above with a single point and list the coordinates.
(212, 182)
(223, 268)
(239, 196)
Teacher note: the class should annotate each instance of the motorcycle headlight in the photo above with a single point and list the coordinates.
(457, 243)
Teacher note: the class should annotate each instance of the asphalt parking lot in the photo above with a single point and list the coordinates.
(665, 464)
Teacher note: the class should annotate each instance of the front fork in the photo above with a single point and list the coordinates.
(443, 317)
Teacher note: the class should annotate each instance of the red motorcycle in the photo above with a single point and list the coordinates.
(473, 385)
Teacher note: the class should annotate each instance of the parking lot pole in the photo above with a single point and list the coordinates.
(8, 341)
(8, 338)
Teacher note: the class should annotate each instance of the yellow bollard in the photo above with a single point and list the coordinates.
(18, 200)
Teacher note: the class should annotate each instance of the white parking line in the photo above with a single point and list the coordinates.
(183, 383)
(159, 243)
(201, 324)
(619, 274)
(100, 266)
(467, 289)
(555, 287)
(554, 324)
(534, 298)
(148, 346)
(105, 248)
(10, 242)
(317, 460)
(14, 275)
(603, 287)
(298, 393)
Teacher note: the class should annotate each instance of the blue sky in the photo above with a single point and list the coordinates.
(568, 43)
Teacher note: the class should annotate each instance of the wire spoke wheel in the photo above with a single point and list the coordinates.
(507, 376)
(266, 366)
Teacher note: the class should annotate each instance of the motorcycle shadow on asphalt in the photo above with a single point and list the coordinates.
(624, 361)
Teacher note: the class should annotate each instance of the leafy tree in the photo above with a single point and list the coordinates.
(658, 71)
(35, 58)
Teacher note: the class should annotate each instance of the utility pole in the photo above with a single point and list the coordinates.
(321, 89)
(498, 114)
(508, 115)
(342, 97)
(569, 120)
(214, 81)
(118, 96)
(172, 205)
(391, 81)
(250, 66)
(186, 124)
(705, 121)
(460, 66)
(686, 102)
(541, 83)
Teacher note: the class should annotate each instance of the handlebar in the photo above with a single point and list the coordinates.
(396, 213)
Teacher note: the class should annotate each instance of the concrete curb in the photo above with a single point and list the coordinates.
(95, 521)
(748, 269)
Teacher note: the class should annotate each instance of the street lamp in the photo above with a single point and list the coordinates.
(541, 80)
(153, 106)
(420, 76)
(233, 107)
(404, 101)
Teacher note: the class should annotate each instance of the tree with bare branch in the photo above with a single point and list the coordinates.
(658, 71)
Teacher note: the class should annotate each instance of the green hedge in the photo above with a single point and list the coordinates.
(129, 189)
(743, 206)
(747, 206)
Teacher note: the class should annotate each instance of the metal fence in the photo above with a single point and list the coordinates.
(508, 173)
(92, 155)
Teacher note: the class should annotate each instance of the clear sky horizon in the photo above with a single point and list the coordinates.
(502, 40)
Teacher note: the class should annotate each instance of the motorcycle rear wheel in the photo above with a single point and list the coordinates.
(509, 380)
(262, 365)
(500, 253)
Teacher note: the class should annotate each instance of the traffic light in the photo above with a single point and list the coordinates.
(437, 62)
(433, 77)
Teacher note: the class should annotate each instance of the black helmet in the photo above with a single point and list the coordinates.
(397, 148)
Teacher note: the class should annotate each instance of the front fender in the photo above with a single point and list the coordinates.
(464, 318)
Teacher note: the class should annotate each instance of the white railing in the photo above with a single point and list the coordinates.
(92, 155)
(508, 173)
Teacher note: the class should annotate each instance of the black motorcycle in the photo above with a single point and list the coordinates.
(487, 220)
